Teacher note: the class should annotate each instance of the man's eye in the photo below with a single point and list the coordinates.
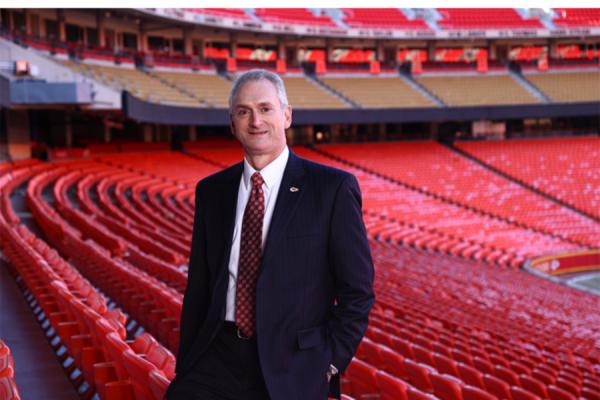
(265, 109)
(241, 113)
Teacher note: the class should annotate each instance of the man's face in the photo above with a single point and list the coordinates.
(258, 119)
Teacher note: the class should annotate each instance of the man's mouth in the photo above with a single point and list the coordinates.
(258, 132)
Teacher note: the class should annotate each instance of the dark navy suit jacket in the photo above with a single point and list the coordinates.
(314, 289)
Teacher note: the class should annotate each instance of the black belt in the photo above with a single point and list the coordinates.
(230, 328)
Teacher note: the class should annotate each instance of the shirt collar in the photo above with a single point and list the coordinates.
(271, 174)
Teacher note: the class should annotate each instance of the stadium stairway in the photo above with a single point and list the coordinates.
(316, 81)
(180, 89)
(422, 89)
(529, 86)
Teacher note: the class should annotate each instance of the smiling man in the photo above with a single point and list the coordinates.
(280, 274)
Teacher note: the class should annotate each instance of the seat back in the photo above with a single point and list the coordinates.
(158, 384)
(362, 378)
(473, 393)
(446, 387)
(522, 394)
(418, 375)
(139, 370)
(470, 375)
(393, 363)
(557, 393)
(390, 387)
(496, 387)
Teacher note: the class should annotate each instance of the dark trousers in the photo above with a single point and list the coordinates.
(228, 370)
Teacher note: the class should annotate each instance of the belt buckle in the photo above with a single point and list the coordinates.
(241, 335)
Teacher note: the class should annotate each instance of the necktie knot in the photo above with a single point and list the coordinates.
(257, 180)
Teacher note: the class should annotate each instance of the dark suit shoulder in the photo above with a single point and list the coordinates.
(219, 178)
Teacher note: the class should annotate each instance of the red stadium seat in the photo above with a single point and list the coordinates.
(139, 370)
(470, 375)
(506, 375)
(362, 379)
(474, 393)
(556, 393)
(418, 375)
(8, 389)
(446, 387)
(158, 384)
(445, 365)
(522, 394)
(497, 387)
(390, 387)
(393, 363)
(416, 394)
(590, 394)
(534, 386)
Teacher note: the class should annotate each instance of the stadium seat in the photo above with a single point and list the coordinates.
(158, 384)
(393, 363)
(6, 365)
(522, 394)
(590, 394)
(473, 393)
(418, 375)
(416, 394)
(139, 370)
(470, 375)
(446, 387)
(445, 365)
(362, 379)
(534, 386)
(556, 393)
(8, 389)
(390, 387)
(497, 387)
(506, 375)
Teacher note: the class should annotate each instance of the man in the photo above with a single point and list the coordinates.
(280, 276)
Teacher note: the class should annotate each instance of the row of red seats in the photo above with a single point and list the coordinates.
(506, 303)
(432, 168)
(149, 301)
(572, 17)
(301, 16)
(477, 235)
(452, 18)
(79, 316)
(565, 168)
(380, 18)
(140, 247)
(155, 240)
(469, 18)
(8, 386)
(447, 345)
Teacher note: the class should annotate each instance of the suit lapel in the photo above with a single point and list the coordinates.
(287, 201)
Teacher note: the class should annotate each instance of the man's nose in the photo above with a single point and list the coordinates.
(255, 119)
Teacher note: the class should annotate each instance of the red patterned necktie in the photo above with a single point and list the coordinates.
(250, 256)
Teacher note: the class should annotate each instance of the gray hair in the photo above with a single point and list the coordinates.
(258, 75)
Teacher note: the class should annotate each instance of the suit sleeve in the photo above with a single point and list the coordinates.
(350, 259)
(195, 302)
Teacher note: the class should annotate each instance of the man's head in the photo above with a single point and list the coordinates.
(259, 113)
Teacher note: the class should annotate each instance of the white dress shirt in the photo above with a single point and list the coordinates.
(272, 175)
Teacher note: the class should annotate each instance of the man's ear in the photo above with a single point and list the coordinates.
(287, 114)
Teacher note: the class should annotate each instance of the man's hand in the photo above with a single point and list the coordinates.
(328, 376)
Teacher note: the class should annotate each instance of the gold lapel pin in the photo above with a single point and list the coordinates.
(294, 189)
